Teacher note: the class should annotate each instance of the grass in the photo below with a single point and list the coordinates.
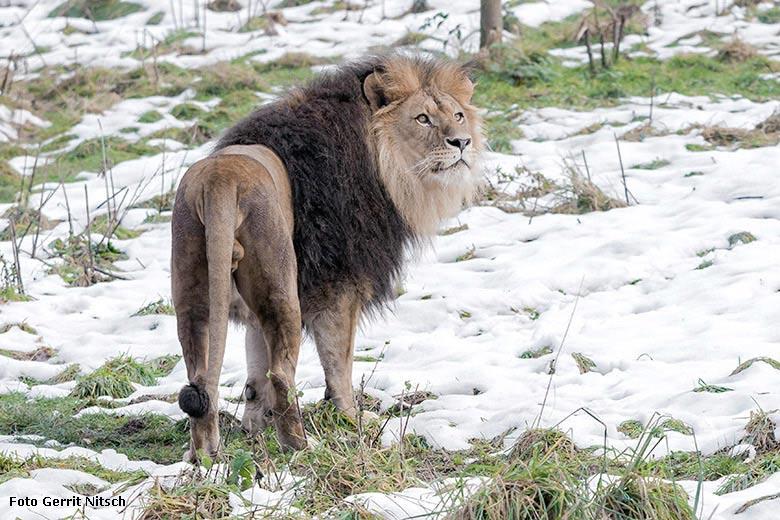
(22, 325)
(10, 290)
(38, 354)
(9, 182)
(14, 467)
(116, 376)
(537, 352)
(96, 10)
(631, 428)
(584, 363)
(152, 116)
(101, 227)
(713, 389)
(63, 94)
(153, 437)
(190, 496)
(544, 476)
(67, 374)
(743, 237)
(750, 362)
(94, 155)
(83, 263)
(652, 165)
(161, 306)
(577, 88)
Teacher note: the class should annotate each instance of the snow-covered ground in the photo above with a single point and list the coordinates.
(663, 299)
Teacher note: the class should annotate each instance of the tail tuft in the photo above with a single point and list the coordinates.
(194, 400)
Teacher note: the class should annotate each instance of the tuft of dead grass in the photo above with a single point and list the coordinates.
(189, 496)
(760, 432)
(39, 354)
(581, 195)
(736, 51)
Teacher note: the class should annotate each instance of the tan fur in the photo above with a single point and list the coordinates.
(233, 253)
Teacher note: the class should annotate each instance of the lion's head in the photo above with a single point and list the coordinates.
(427, 137)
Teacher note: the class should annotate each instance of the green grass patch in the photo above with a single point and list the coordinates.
(749, 363)
(115, 377)
(101, 227)
(14, 467)
(94, 155)
(652, 165)
(156, 18)
(576, 87)
(10, 291)
(161, 306)
(97, 10)
(692, 147)
(631, 428)
(67, 374)
(468, 255)
(501, 131)
(713, 389)
(152, 116)
(83, 263)
(22, 325)
(150, 436)
(256, 23)
(10, 182)
(771, 15)
(743, 237)
(537, 352)
(186, 111)
(751, 474)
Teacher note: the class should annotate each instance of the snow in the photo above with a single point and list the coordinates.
(651, 321)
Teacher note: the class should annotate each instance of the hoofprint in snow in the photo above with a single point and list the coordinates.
(651, 321)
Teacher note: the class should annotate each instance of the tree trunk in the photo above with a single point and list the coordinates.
(491, 25)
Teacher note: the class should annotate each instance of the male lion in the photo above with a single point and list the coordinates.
(301, 218)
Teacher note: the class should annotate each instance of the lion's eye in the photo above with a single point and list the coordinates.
(459, 117)
(423, 120)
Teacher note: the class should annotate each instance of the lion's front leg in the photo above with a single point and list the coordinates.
(334, 334)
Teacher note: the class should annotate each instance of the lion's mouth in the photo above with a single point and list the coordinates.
(442, 168)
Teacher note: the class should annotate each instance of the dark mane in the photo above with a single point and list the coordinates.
(347, 230)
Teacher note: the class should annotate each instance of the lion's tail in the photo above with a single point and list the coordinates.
(219, 220)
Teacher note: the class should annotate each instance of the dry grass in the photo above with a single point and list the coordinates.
(765, 133)
(642, 132)
(39, 354)
(760, 432)
(189, 496)
(581, 195)
(736, 51)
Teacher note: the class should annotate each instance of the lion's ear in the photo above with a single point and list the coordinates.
(373, 89)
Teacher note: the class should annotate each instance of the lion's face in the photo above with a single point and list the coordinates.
(436, 137)
(427, 136)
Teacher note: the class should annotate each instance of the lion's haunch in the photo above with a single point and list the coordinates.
(194, 400)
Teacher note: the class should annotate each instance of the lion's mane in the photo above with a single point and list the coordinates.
(347, 228)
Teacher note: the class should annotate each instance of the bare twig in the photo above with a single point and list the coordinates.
(67, 207)
(17, 264)
(585, 161)
(622, 170)
(89, 234)
(538, 421)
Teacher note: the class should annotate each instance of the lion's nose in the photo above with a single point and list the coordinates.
(459, 142)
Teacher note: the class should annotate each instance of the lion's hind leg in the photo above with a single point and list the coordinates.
(189, 274)
(266, 278)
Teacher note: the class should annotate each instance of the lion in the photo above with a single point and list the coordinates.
(301, 219)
